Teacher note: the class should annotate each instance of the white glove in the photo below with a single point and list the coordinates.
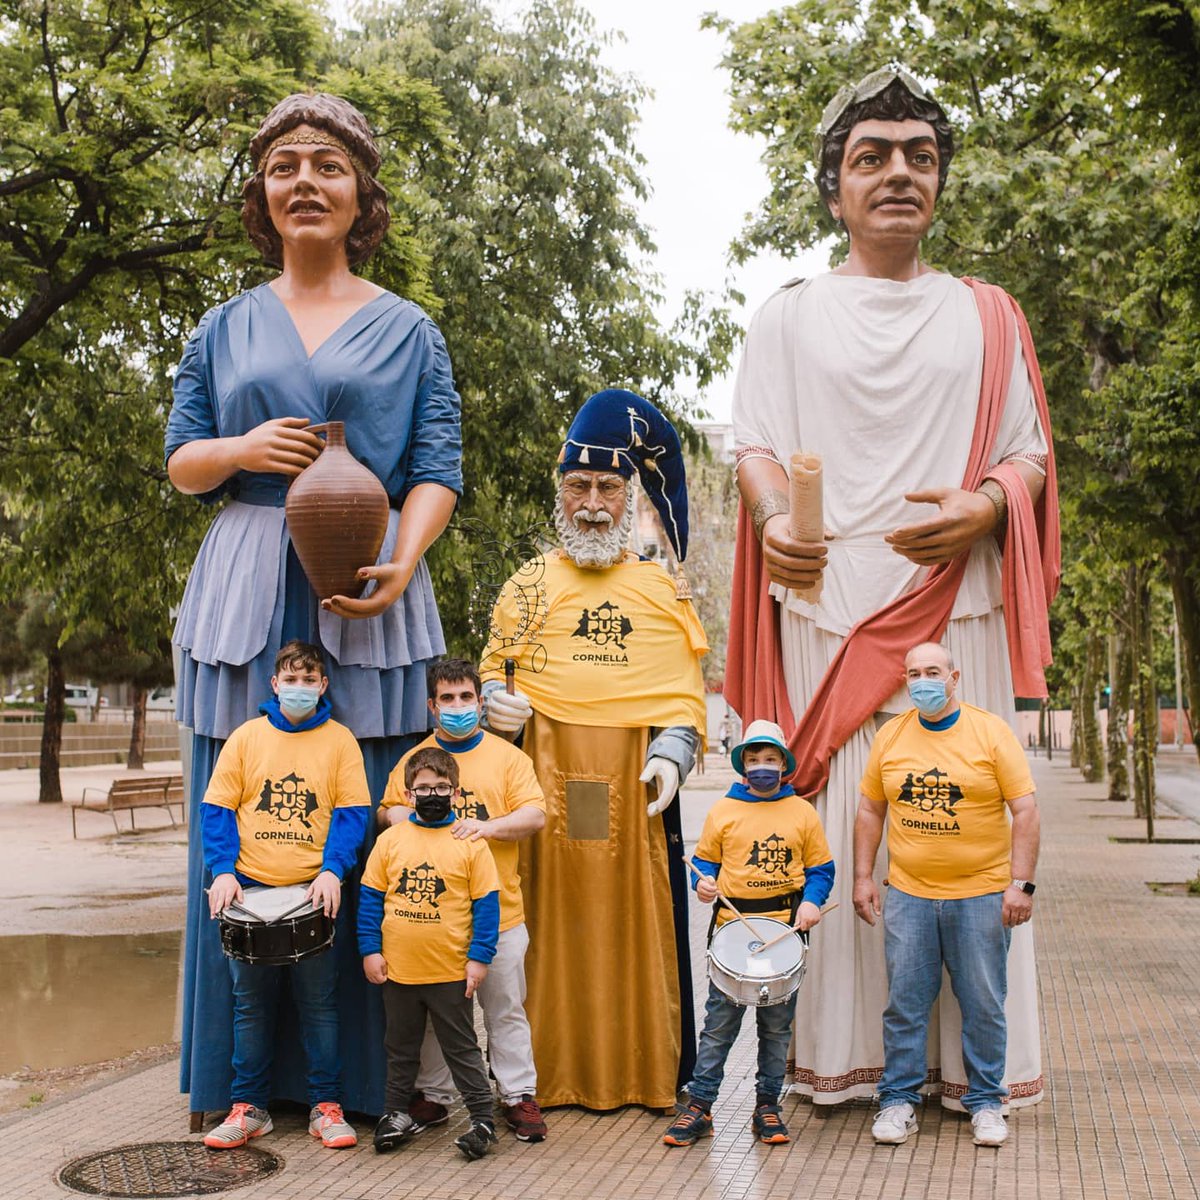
(508, 714)
(665, 774)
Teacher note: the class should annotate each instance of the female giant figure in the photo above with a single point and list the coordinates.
(316, 343)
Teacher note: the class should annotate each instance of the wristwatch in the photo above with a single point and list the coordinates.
(1026, 885)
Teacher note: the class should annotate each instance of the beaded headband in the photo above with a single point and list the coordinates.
(307, 135)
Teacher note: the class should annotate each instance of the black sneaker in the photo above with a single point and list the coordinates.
(393, 1128)
(691, 1124)
(426, 1113)
(476, 1142)
(768, 1125)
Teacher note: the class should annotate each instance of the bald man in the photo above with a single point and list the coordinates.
(960, 877)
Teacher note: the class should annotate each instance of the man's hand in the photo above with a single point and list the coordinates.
(283, 446)
(326, 892)
(506, 713)
(963, 518)
(470, 827)
(807, 916)
(665, 776)
(476, 974)
(791, 563)
(706, 889)
(866, 900)
(1016, 907)
(223, 891)
(375, 968)
(390, 581)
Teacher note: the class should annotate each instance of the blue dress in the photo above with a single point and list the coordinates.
(385, 372)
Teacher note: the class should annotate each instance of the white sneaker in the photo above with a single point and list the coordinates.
(894, 1124)
(243, 1123)
(989, 1127)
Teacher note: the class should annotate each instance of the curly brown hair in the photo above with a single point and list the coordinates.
(340, 118)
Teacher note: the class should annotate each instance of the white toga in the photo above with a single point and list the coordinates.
(882, 380)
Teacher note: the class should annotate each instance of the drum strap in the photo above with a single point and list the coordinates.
(759, 904)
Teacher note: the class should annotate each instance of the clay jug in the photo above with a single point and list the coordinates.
(337, 515)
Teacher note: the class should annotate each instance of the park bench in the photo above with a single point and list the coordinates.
(141, 791)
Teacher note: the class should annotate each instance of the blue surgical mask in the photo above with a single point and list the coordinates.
(459, 722)
(929, 695)
(296, 700)
(764, 779)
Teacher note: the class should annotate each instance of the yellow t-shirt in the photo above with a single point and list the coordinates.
(763, 847)
(946, 791)
(496, 779)
(429, 879)
(615, 647)
(284, 788)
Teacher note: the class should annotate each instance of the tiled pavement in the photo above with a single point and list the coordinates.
(1120, 980)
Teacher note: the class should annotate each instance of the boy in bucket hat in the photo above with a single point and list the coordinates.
(766, 846)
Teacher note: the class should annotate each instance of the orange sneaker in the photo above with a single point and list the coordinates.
(327, 1122)
(243, 1123)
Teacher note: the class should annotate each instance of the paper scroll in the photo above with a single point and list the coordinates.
(807, 509)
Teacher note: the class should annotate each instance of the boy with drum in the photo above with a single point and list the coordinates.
(428, 925)
(762, 847)
(287, 804)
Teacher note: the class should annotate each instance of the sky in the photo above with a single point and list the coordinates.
(704, 179)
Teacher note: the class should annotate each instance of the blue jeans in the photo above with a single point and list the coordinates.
(968, 937)
(256, 987)
(722, 1022)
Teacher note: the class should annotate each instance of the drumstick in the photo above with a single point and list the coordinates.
(723, 900)
(790, 930)
(510, 675)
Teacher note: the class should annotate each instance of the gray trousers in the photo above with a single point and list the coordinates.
(453, 1018)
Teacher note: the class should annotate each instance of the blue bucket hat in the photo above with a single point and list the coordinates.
(619, 431)
(763, 733)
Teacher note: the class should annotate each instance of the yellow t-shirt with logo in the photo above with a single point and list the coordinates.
(946, 790)
(284, 788)
(763, 847)
(615, 647)
(429, 879)
(496, 779)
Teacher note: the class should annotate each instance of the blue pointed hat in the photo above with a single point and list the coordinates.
(619, 431)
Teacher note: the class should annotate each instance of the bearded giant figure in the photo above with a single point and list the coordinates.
(610, 706)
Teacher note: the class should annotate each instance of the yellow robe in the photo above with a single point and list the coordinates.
(604, 655)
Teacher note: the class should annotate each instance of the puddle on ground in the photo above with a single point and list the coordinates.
(66, 1001)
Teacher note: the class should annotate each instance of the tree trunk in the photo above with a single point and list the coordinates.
(1076, 726)
(1119, 672)
(137, 738)
(1091, 760)
(50, 789)
(1145, 700)
(1185, 587)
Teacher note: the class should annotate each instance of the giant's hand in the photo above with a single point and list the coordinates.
(962, 519)
(390, 581)
(283, 446)
(665, 775)
(507, 713)
(789, 562)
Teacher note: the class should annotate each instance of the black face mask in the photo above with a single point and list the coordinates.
(432, 809)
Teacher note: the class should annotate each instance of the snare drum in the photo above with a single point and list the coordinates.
(756, 980)
(275, 927)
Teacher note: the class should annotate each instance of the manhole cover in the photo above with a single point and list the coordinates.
(167, 1169)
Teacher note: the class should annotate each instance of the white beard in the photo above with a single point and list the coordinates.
(594, 549)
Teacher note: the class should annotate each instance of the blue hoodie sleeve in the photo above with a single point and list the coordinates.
(485, 928)
(711, 869)
(370, 921)
(219, 836)
(818, 883)
(347, 829)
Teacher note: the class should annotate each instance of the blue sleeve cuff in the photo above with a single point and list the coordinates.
(370, 921)
(711, 869)
(485, 928)
(347, 831)
(219, 836)
(818, 883)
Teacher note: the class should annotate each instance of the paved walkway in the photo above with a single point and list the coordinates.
(1120, 980)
